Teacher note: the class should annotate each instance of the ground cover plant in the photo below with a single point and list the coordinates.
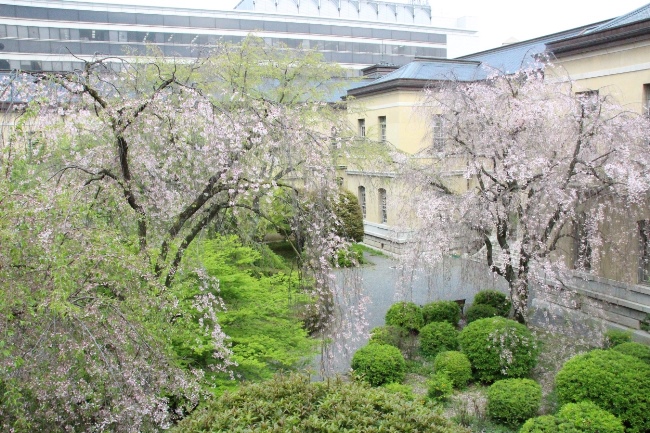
(333, 405)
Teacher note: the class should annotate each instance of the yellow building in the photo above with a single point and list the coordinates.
(611, 58)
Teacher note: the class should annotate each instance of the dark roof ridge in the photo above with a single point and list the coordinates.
(441, 60)
(569, 33)
(623, 19)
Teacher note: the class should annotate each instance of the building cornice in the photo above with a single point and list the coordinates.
(631, 33)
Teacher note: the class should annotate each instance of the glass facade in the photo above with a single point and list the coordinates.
(381, 45)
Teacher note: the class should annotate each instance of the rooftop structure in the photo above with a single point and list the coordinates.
(55, 35)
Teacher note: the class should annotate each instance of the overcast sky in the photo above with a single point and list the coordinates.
(498, 20)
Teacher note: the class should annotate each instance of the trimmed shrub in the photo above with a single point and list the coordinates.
(441, 311)
(512, 401)
(614, 337)
(480, 311)
(440, 387)
(350, 216)
(391, 335)
(378, 364)
(544, 424)
(637, 350)
(437, 337)
(498, 348)
(455, 365)
(587, 417)
(614, 381)
(294, 403)
(495, 299)
(406, 315)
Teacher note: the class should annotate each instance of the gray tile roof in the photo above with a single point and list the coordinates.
(510, 58)
(434, 69)
(640, 14)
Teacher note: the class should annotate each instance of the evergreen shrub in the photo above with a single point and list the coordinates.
(614, 337)
(441, 311)
(391, 335)
(440, 387)
(350, 216)
(637, 350)
(455, 365)
(498, 348)
(480, 311)
(495, 299)
(587, 417)
(406, 315)
(545, 424)
(378, 364)
(295, 404)
(614, 381)
(512, 401)
(437, 337)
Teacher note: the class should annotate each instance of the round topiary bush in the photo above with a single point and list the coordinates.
(544, 424)
(455, 365)
(495, 299)
(637, 350)
(437, 337)
(439, 387)
(587, 417)
(614, 381)
(498, 348)
(441, 311)
(391, 335)
(406, 315)
(512, 401)
(378, 364)
(480, 311)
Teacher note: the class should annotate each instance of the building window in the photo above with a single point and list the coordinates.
(644, 251)
(589, 100)
(362, 199)
(362, 127)
(383, 210)
(646, 100)
(438, 132)
(382, 128)
(582, 246)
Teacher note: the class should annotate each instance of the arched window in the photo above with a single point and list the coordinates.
(383, 210)
(362, 199)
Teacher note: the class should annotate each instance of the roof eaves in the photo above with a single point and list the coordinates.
(631, 32)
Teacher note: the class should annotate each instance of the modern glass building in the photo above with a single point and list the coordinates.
(54, 35)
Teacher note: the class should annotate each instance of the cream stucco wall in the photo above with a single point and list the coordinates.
(619, 71)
